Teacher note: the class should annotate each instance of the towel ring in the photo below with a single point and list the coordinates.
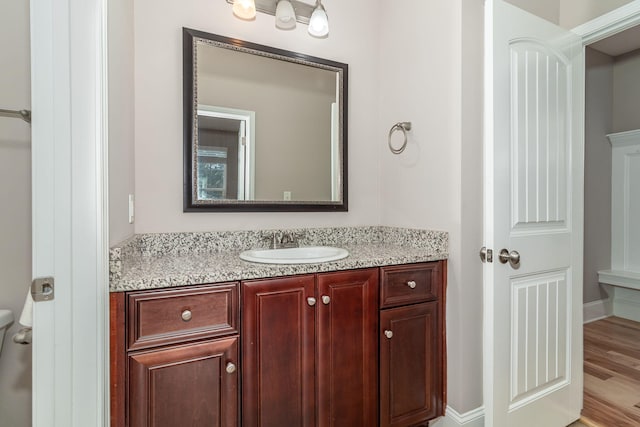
(401, 126)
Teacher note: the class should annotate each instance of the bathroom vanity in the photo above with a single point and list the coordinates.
(355, 342)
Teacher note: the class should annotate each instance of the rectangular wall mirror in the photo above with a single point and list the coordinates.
(265, 129)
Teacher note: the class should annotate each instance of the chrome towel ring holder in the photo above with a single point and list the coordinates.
(403, 127)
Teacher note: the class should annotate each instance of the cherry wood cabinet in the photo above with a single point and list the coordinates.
(278, 352)
(356, 348)
(347, 355)
(192, 385)
(175, 357)
(412, 362)
(310, 350)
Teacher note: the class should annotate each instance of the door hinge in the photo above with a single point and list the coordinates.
(42, 289)
(486, 255)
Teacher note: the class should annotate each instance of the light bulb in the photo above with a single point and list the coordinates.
(285, 15)
(244, 9)
(319, 22)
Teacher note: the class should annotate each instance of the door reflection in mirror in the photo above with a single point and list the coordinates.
(225, 162)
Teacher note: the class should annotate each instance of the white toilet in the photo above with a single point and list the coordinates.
(6, 319)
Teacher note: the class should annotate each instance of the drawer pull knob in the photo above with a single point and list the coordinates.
(311, 301)
(325, 299)
(411, 284)
(388, 334)
(186, 315)
(231, 368)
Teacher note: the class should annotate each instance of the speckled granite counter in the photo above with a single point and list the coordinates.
(148, 261)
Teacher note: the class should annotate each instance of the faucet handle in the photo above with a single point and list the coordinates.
(271, 240)
(286, 238)
(289, 239)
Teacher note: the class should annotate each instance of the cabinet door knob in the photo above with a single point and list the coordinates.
(186, 315)
(311, 301)
(411, 284)
(231, 368)
(325, 299)
(388, 334)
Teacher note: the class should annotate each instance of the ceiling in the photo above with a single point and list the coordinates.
(620, 43)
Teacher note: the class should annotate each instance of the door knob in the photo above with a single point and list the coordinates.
(230, 368)
(512, 258)
(325, 299)
(311, 301)
(388, 334)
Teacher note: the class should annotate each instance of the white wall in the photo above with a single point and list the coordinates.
(15, 213)
(158, 108)
(121, 118)
(597, 180)
(547, 9)
(470, 284)
(626, 92)
(431, 74)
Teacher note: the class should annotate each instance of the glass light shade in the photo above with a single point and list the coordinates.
(285, 15)
(319, 22)
(244, 9)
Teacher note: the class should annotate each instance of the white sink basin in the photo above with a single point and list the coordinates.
(301, 255)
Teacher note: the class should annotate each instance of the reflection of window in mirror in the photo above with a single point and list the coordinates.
(212, 173)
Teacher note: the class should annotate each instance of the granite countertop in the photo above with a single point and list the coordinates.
(152, 261)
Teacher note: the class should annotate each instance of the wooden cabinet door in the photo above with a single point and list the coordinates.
(410, 365)
(192, 385)
(347, 355)
(278, 351)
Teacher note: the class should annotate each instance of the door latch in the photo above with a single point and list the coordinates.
(486, 255)
(42, 289)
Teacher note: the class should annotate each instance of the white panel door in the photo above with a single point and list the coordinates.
(533, 197)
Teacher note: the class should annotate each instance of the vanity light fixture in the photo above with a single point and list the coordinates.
(287, 13)
(244, 9)
(319, 22)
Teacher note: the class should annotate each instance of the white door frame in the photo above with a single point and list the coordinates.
(597, 29)
(69, 212)
(609, 24)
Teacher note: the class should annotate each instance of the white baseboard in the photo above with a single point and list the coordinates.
(597, 310)
(473, 418)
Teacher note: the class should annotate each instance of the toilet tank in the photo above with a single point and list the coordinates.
(6, 319)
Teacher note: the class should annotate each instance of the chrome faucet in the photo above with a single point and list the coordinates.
(283, 240)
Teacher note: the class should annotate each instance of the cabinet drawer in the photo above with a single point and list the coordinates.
(161, 317)
(410, 284)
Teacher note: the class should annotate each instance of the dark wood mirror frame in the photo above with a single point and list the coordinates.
(190, 127)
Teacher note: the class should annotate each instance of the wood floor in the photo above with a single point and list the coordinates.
(612, 373)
